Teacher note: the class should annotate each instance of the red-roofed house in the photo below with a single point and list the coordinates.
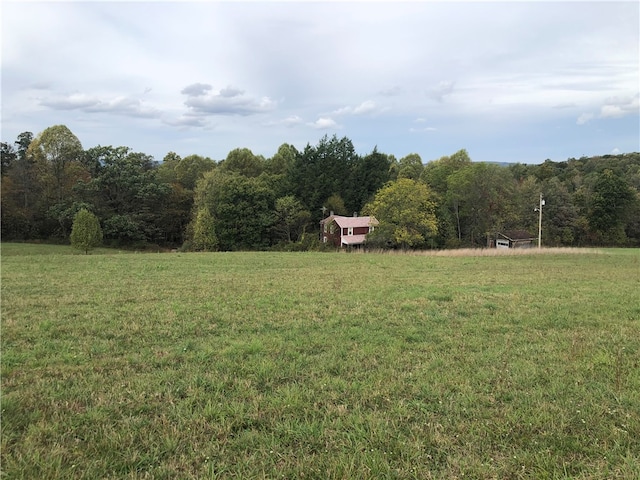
(346, 231)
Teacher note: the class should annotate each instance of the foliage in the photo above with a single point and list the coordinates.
(322, 171)
(406, 213)
(47, 179)
(611, 202)
(128, 196)
(86, 233)
(57, 152)
(410, 166)
(242, 208)
(204, 234)
(291, 219)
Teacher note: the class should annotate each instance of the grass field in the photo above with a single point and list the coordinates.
(319, 365)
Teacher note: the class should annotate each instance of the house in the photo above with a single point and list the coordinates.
(346, 231)
(515, 239)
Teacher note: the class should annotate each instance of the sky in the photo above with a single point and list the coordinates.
(507, 81)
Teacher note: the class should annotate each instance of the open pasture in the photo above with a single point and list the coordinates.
(327, 366)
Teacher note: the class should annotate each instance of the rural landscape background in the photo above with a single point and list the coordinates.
(249, 202)
(170, 310)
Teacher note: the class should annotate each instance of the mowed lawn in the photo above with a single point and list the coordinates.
(319, 365)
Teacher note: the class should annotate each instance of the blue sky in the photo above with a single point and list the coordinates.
(508, 81)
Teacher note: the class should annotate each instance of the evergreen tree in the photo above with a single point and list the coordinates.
(204, 236)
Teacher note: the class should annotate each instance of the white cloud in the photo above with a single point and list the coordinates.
(187, 121)
(290, 121)
(614, 107)
(227, 101)
(324, 123)
(366, 107)
(585, 118)
(443, 89)
(196, 89)
(120, 105)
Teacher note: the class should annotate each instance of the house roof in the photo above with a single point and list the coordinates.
(517, 235)
(347, 222)
(353, 239)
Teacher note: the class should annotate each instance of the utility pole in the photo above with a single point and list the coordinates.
(539, 209)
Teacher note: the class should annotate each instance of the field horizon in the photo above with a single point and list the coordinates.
(320, 365)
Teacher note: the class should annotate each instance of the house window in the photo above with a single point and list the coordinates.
(350, 231)
(324, 239)
(332, 229)
(325, 228)
(371, 228)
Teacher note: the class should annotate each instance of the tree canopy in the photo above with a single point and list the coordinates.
(247, 201)
(406, 213)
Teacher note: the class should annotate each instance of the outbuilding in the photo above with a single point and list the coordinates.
(515, 239)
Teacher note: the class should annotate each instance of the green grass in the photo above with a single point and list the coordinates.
(327, 366)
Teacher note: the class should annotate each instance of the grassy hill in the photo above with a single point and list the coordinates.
(309, 365)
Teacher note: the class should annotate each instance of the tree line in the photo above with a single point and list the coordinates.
(249, 202)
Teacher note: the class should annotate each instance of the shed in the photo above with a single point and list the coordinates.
(515, 239)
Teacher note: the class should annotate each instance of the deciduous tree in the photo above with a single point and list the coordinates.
(86, 233)
(406, 213)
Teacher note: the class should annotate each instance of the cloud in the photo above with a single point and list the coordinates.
(585, 118)
(228, 101)
(366, 107)
(196, 89)
(290, 121)
(324, 123)
(120, 105)
(392, 91)
(187, 121)
(443, 89)
(614, 107)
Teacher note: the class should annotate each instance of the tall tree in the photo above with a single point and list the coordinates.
(406, 212)
(369, 174)
(611, 203)
(437, 172)
(479, 197)
(8, 157)
(323, 170)
(410, 166)
(290, 219)
(128, 196)
(21, 191)
(182, 175)
(204, 234)
(59, 153)
(244, 162)
(283, 161)
(242, 208)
